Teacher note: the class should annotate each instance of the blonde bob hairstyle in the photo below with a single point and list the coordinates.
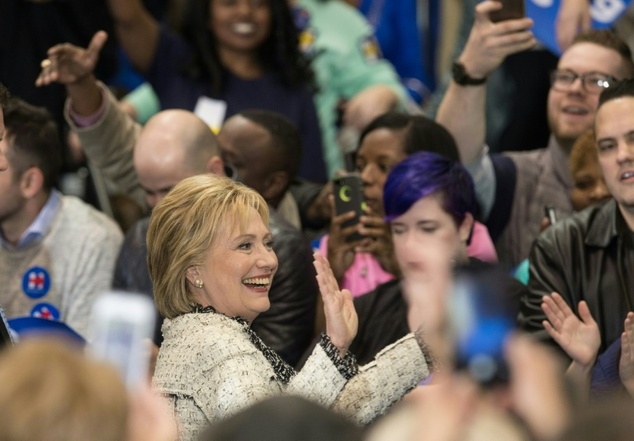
(183, 228)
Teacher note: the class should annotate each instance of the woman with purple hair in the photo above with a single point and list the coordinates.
(429, 202)
(363, 264)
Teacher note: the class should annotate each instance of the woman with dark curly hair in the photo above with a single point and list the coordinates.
(230, 55)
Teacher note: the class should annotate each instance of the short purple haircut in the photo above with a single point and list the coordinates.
(422, 174)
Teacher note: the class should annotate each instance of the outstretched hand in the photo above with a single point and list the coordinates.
(69, 64)
(341, 317)
(580, 338)
(490, 43)
(626, 362)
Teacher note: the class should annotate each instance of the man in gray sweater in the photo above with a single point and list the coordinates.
(57, 253)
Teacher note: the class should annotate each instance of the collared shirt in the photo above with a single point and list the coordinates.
(40, 225)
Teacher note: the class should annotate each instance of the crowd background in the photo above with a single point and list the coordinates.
(475, 148)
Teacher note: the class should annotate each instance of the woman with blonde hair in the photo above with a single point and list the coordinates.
(211, 264)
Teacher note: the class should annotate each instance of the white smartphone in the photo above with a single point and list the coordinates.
(121, 324)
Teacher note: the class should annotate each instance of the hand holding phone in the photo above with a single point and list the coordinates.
(348, 194)
(511, 10)
(122, 322)
(550, 213)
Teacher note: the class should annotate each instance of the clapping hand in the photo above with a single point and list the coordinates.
(580, 338)
(626, 362)
(341, 317)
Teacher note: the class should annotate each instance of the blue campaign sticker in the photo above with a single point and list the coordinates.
(45, 311)
(36, 282)
(544, 13)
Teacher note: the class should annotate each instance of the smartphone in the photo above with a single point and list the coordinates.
(511, 10)
(481, 318)
(550, 213)
(348, 193)
(121, 324)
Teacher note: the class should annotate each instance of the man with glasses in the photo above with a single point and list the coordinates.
(514, 188)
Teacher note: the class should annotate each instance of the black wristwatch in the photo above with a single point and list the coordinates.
(460, 75)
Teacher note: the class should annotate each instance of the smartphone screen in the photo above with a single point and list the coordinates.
(348, 193)
(121, 322)
(481, 319)
(511, 10)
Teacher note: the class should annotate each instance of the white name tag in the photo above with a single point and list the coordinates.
(211, 111)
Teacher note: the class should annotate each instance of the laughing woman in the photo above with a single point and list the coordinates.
(211, 262)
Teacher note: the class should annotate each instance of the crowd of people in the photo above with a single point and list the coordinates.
(480, 295)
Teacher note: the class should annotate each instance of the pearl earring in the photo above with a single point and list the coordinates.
(198, 283)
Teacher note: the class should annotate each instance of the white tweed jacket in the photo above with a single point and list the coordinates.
(209, 368)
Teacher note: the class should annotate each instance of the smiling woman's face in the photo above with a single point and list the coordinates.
(240, 25)
(379, 152)
(238, 271)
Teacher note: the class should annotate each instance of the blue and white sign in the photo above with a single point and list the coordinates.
(544, 13)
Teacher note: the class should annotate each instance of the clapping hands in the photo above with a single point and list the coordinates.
(341, 317)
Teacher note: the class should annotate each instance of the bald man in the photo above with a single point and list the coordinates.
(174, 137)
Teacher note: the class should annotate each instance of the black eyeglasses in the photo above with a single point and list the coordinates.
(593, 82)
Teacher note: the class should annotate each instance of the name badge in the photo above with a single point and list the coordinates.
(211, 111)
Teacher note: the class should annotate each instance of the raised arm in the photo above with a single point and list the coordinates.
(462, 110)
(137, 30)
(73, 66)
(109, 140)
(573, 17)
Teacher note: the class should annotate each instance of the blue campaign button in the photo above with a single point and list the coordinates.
(36, 282)
(45, 311)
